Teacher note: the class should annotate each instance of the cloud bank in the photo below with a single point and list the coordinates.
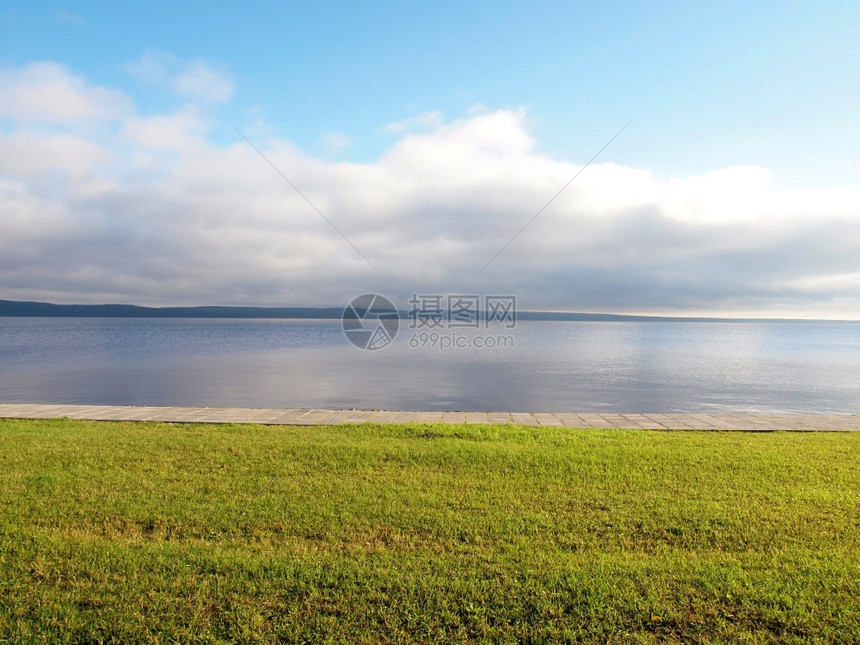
(102, 203)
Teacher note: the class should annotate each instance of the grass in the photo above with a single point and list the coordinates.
(137, 532)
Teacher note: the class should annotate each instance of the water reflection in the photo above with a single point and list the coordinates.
(589, 366)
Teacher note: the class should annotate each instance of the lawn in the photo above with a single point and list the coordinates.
(144, 532)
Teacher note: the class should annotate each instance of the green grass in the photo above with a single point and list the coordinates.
(120, 532)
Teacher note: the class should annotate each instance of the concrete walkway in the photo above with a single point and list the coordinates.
(746, 422)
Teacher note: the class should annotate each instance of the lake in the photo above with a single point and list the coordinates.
(536, 366)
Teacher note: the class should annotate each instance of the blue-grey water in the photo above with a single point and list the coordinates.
(544, 366)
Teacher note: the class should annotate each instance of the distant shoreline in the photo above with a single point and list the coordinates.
(23, 309)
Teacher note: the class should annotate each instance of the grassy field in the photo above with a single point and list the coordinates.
(122, 532)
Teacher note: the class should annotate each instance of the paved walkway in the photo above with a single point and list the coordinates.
(747, 422)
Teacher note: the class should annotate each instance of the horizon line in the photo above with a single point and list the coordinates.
(7, 305)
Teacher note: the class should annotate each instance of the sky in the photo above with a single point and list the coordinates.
(302, 153)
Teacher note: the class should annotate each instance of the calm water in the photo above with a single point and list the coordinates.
(554, 367)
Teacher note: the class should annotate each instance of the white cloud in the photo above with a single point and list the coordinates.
(69, 17)
(336, 142)
(152, 211)
(729, 195)
(152, 68)
(30, 155)
(425, 121)
(182, 130)
(48, 92)
(195, 80)
(198, 81)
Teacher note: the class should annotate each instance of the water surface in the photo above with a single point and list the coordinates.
(552, 366)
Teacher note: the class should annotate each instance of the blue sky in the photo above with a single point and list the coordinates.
(706, 84)
(335, 91)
